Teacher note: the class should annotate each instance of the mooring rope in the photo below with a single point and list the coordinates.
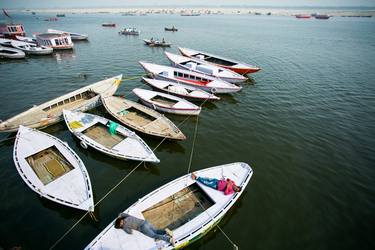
(235, 247)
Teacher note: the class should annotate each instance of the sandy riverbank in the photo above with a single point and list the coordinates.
(210, 11)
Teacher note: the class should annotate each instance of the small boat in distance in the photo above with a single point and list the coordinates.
(32, 48)
(11, 53)
(50, 112)
(155, 43)
(303, 16)
(108, 24)
(51, 19)
(52, 169)
(196, 209)
(11, 30)
(141, 118)
(190, 78)
(74, 36)
(108, 137)
(184, 91)
(60, 15)
(238, 67)
(166, 103)
(196, 65)
(322, 16)
(171, 29)
(130, 31)
(56, 41)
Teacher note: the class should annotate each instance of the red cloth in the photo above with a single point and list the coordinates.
(222, 185)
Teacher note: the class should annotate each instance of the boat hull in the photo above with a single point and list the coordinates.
(192, 229)
(37, 117)
(31, 145)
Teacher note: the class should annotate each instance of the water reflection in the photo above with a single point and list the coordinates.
(64, 55)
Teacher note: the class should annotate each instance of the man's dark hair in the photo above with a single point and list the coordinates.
(117, 222)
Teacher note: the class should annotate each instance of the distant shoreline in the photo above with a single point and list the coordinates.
(278, 11)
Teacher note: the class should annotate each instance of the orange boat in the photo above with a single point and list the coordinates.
(238, 67)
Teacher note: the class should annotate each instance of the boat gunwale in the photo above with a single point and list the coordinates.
(78, 160)
(206, 226)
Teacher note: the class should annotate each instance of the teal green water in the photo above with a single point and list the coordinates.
(306, 125)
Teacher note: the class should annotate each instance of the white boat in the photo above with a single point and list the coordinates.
(166, 103)
(203, 67)
(50, 112)
(183, 205)
(26, 39)
(107, 137)
(6, 42)
(52, 169)
(130, 31)
(181, 90)
(141, 118)
(74, 36)
(55, 40)
(238, 67)
(11, 53)
(187, 77)
(32, 48)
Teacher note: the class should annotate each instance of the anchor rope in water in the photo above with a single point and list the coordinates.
(113, 188)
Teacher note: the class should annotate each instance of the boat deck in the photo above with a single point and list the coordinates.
(99, 133)
(136, 116)
(69, 103)
(179, 208)
(164, 101)
(49, 164)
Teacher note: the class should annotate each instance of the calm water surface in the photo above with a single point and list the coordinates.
(305, 123)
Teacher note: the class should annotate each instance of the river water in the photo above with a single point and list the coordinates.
(305, 123)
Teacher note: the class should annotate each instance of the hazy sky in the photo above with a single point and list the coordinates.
(124, 3)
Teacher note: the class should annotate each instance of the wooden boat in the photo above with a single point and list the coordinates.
(156, 43)
(73, 36)
(52, 169)
(108, 137)
(141, 118)
(185, 91)
(108, 24)
(11, 53)
(183, 205)
(303, 16)
(171, 29)
(203, 67)
(50, 112)
(32, 48)
(186, 77)
(130, 31)
(11, 30)
(55, 40)
(238, 67)
(26, 39)
(166, 103)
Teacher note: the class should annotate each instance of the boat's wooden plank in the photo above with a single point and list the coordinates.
(101, 135)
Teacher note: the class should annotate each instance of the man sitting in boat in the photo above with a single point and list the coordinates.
(128, 223)
(226, 185)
